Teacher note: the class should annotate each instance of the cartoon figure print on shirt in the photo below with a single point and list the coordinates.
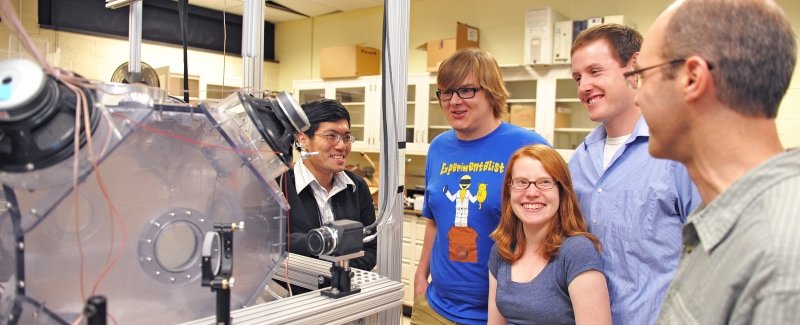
(462, 198)
(481, 194)
(463, 238)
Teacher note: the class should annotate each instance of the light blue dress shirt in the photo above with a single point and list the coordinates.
(636, 207)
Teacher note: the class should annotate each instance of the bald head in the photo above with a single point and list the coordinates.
(752, 50)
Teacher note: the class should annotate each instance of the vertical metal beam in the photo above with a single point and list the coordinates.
(135, 41)
(395, 88)
(253, 45)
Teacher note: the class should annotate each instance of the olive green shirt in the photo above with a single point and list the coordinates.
(741, 253)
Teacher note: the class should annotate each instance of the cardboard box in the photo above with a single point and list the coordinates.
(349, 61)
(505, 115)
(441, 49)
(523, 115)
(563, 117)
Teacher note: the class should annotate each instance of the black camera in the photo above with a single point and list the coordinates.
(342, 237)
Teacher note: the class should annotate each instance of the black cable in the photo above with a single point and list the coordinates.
(387, 71)
(183, 14)
(40, 307)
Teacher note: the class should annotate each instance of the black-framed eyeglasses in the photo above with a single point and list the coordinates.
(334, 138)
(521, 184)
(463, 93)
(634, 78)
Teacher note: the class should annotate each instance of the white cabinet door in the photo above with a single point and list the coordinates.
(572, 122)
(361, 98)
(408, 260)
(437, 121)
(522, 105)
(559, 115)
(417, 114)
(413, 239)
(357, 97)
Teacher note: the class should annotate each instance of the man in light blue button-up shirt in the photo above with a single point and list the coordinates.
(635, 204)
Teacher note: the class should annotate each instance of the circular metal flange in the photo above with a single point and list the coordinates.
(170, 245)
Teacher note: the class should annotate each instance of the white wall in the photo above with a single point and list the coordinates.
(298, 43)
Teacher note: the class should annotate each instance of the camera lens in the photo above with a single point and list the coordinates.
(321, 241)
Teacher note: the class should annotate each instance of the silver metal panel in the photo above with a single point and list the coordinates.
(395, 73)
(377, 294)
(253, 44)
(135, 39)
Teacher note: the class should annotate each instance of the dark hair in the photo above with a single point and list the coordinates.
(753, 50)
(324, 110)
(624, 41)
(568, 221)
(482, 67)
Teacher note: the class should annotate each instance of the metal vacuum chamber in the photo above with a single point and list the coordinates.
(124, 215)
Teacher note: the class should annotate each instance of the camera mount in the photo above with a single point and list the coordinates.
(338, 242)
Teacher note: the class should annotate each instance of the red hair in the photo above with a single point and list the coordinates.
(567, 222)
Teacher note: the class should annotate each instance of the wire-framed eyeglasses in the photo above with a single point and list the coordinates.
(521, 184)
(463, 93)
(334, 138)
(634, 78)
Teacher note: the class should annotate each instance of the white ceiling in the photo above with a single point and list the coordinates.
(306, 8)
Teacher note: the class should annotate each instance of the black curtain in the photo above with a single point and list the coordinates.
(160, 23)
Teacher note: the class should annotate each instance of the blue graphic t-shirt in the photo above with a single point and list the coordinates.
(463, 184)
